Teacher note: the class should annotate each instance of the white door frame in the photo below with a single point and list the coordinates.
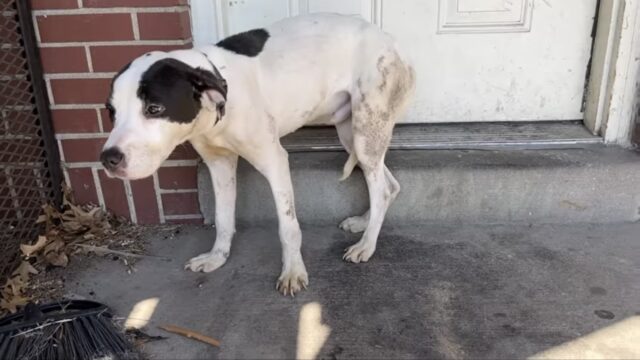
(614, 81)
(612, 94)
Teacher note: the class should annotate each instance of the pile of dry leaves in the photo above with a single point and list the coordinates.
(70, 230)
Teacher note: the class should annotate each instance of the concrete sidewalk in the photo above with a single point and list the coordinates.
(430, 291)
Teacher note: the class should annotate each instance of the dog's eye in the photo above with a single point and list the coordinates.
(154, 109)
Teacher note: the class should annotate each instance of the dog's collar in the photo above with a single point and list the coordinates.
(213, 67)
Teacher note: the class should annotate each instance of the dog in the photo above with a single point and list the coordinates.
(241, 95)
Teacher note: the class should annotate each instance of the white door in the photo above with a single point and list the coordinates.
(476, 60)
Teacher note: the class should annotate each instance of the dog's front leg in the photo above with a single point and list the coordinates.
(223, 175)
(274, 165)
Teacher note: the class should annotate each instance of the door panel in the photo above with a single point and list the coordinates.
(475, 60)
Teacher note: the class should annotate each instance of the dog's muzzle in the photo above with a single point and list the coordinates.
(112, 159)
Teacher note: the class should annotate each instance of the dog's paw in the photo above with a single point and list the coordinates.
(360, 252)
(292, 281)
(355, 224)
(206, 262)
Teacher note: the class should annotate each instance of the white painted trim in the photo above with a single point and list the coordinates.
(221, 19)
(156, 185)
(619, 122)
(203, 29)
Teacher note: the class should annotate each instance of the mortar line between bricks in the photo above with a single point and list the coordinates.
(36, 29)
(132, 206)
(135, 26)
(113, 10)
(76, 106)
(67, 179)
(167, 163)
(87, 52)
(100, 125)
(178, 191)
(183, 217)
(80, 4)
(47, 85)
(74, 136)
(98, 185)
(114, 43)
(86, 75)
(156, 185)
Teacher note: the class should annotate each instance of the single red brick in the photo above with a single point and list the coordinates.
(186, 221)
(81, 150)
(184, 151)
(145, 201)
(131, 3)
(80, 91)
(85, 27)
(178, 177)
(180, 204)
(83, 186)
(164, 26)
(75, 121)
(53, 4)
(114, 194)
(64, 60)
(115, 57)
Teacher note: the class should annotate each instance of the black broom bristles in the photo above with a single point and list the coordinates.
(74, 330)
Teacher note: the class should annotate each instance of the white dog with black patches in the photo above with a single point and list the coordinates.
(240, 96)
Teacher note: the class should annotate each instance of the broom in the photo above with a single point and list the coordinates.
(73, 329)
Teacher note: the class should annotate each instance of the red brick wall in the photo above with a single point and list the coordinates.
(83, 43)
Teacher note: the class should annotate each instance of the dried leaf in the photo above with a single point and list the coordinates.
(55, 255)
(28, 250)
(41, 219)
(12, 304)
(24, 270)
(13, 286)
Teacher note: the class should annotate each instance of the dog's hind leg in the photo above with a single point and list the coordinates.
(377, 105)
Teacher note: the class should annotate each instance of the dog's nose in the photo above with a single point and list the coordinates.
(111, 158)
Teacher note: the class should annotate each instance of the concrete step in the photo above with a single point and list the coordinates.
(596, 184)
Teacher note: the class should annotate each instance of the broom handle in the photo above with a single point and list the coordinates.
(190, 334)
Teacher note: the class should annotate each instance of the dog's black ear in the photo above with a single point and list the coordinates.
(210, 89)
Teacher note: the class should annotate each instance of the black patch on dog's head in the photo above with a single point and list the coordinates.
(176, 89)
(110, 108)
(249, 43)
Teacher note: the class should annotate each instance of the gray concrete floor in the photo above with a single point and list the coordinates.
(430, 291)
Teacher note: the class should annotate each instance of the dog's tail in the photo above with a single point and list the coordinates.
(349, 166)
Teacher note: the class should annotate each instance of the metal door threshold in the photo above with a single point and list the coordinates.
(460, 136)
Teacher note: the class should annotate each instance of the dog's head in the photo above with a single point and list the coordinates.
(157, 102)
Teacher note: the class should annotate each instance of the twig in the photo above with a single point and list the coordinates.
(190, 334)
(103, 250)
